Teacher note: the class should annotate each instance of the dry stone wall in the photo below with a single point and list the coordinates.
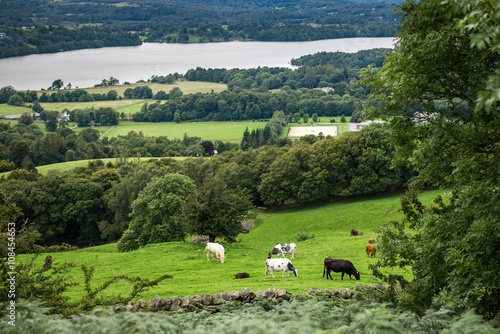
(212, 301)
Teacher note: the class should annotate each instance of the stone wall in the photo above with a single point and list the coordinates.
(211, 301)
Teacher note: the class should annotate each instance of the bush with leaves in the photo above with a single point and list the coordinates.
(304, 316)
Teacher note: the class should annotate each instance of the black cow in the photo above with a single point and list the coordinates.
(242, 275)
(343, 266)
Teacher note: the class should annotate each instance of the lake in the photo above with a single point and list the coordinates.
(85, 68)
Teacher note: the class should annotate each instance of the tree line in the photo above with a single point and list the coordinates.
(20, 41)
(22, 145)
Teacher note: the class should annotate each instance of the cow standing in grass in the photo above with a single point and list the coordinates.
(370, 250)
(217, 249)
(343, 266)
(280, 265)
(282, 249)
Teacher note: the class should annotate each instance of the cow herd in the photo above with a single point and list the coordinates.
(285, 265)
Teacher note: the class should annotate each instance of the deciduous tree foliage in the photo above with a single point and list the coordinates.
(216, 210)
(155, 212)
(440, 89)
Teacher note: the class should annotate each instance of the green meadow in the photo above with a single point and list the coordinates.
(121, 105)
(70, 165)
(225, 131)
(193, 274)
(187, 87)
(125, 106)
(6, 109)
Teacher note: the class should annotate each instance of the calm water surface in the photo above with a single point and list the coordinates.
(85, 68)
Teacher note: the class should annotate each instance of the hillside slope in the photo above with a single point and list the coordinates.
(192, 274)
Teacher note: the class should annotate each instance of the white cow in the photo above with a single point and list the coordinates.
(280, 265)
(217, 249)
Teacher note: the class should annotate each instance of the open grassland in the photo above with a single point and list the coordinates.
(225, 131)
(125, 106)
(187, 87)
(70, 165)
(121, 105)
(193, 274)
(6, 109)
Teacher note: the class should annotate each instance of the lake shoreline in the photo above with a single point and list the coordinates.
(88, 67)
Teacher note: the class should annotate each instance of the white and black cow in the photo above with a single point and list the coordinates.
(280, 265)
(282, 249)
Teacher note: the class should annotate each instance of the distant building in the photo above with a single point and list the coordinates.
(63, 117)
(326, 89)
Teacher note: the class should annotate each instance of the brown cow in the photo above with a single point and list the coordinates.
(372, 241)
(355, 233)
(370, 250)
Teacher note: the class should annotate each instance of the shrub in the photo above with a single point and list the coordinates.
(304, 236)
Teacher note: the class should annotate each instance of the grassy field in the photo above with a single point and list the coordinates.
(193, 274)
(187, 87)
(6, 109)
(70, 165)
(126, 106)
(67, 166)
(226, 131)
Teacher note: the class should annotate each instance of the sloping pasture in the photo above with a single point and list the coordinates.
(225, 131)
(193, 274)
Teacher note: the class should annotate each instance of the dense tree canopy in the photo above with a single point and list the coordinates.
(440, 91)
(216, 210)
(156, 211)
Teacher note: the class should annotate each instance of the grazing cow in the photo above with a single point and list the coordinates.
(217, 249)
(355, 233)
(282, 249)
(280, 264)
(242, 275)
(372, 241)
(370, 250)
(343, 266)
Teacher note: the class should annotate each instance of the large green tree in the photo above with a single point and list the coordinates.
(440, 89)
(216, 210)
(156, 211)
(52, 121)
(122, 195)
